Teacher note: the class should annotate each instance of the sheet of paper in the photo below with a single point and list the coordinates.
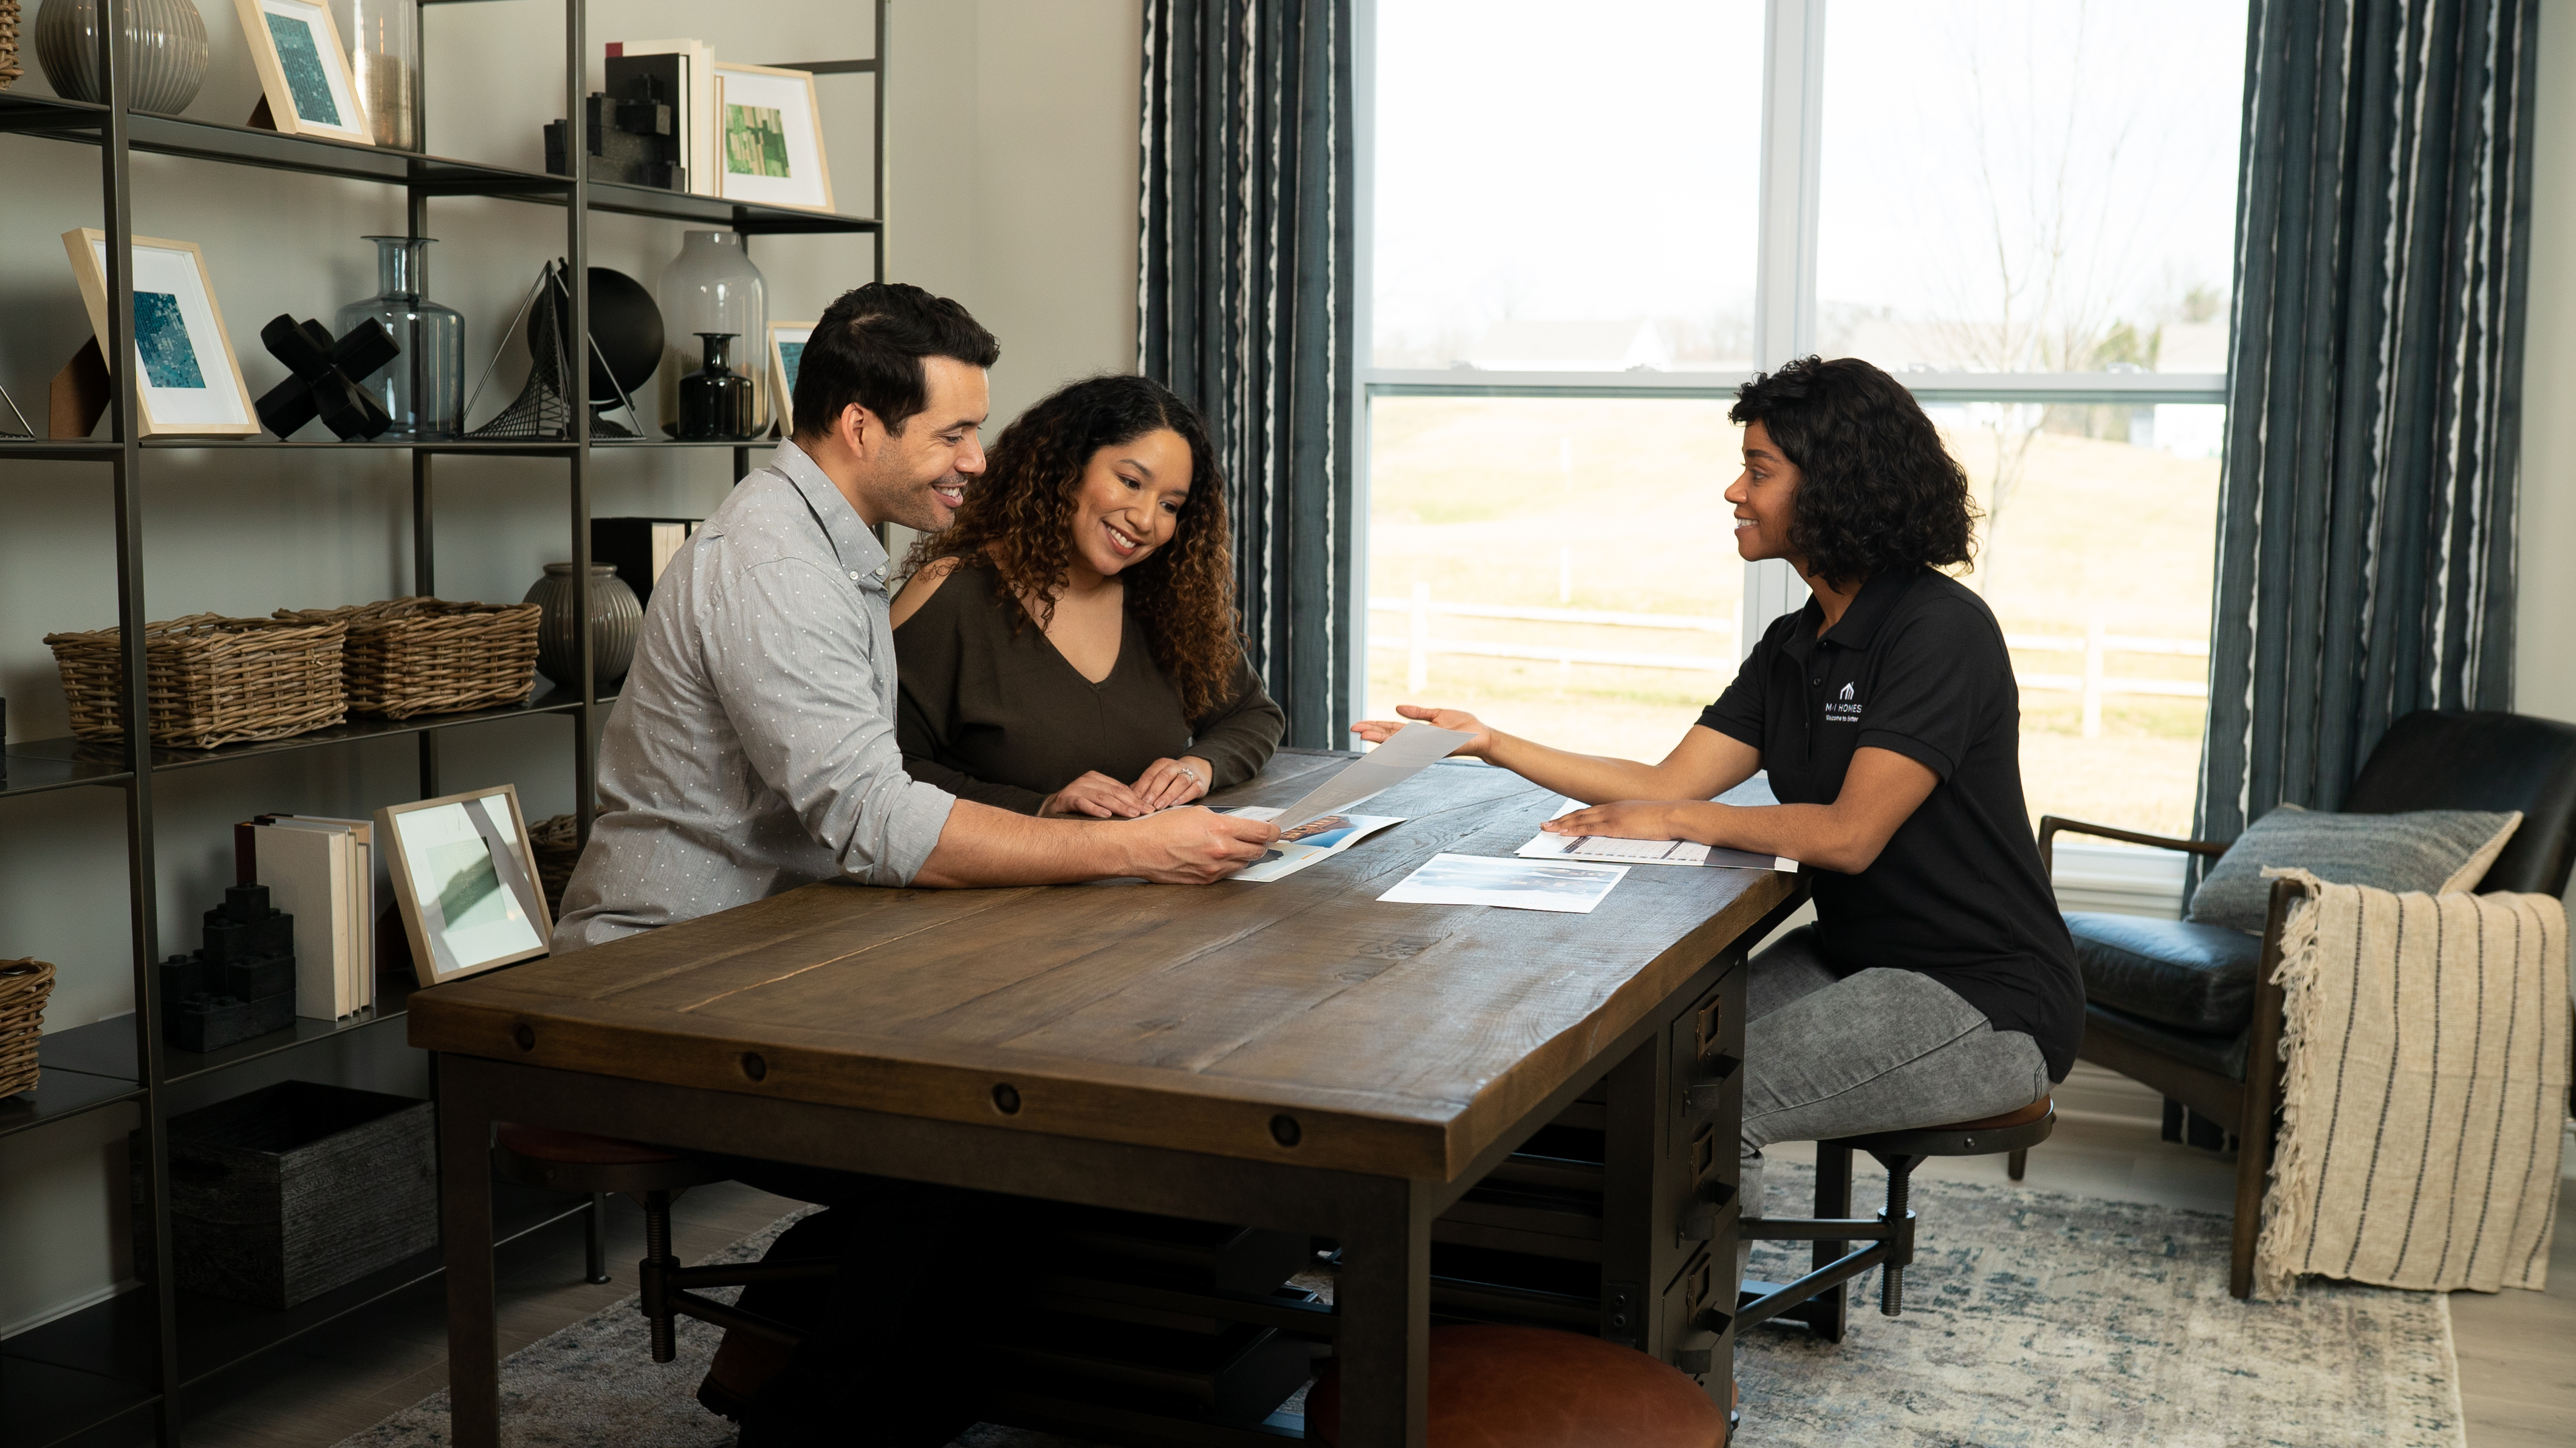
(1304, 844)
(1565, 887)
(1406, 753)
(1757, 790)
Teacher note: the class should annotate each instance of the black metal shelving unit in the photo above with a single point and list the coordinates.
(106, 1367)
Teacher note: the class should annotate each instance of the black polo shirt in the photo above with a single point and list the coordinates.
(1917, 665)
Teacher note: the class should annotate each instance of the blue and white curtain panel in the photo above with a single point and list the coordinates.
(2366, 510)
(1244, 305)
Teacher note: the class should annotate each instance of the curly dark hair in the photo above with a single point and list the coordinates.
(1018, 521)
(1876, 490)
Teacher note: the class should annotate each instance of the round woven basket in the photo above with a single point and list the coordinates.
(409, 656)
(212, 680)
(8, 43)
(24, 984)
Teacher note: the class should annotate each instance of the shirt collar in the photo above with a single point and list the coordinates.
(852, 540)
(1870, 608)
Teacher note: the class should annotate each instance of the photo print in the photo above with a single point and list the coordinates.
(303, 69)
(465, 880)
(771, 144)
(189, 380)
(786, 349)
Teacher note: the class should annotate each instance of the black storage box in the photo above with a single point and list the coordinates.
(279, 1196)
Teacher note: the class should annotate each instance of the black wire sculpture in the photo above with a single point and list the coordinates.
(543, 408)
(20, 430)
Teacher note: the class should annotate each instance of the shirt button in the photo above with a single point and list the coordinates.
(854, 575)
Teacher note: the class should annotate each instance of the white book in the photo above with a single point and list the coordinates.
(306, 870)
(698, 108)
(362, 896)
(668, 540)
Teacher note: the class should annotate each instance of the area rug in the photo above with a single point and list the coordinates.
(2030, 1317)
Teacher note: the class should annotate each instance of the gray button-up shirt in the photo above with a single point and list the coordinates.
(752, 749)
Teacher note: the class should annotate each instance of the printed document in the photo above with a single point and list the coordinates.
(1406, 753)
(1304, 844)
(1754, 791)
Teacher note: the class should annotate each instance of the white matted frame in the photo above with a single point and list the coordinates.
(189, 383)
(465, 879)
(795, 173)
(304, 69)
(786, 344)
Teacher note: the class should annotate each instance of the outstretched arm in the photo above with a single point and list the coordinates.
(1705, 763)
(1880, 792)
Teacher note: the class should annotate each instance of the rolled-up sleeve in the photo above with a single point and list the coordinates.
(788, 653)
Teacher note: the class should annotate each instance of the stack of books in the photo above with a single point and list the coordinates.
(321, 871)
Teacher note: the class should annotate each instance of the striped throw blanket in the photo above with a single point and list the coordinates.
(2425, 1051)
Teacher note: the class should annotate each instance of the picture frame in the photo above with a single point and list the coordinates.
(304, 69)
(465, 879)
(769, 137)
(786, 344)
(188, 380)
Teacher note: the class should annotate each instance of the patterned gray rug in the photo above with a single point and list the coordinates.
(2030, 1317)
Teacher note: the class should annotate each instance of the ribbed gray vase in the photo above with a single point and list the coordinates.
(169, 52)
(615, 620)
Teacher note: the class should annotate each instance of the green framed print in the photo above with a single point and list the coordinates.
(187, 378)
(769, 138)
(465, 879)
(303, 69)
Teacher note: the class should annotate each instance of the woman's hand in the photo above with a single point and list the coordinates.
(1095, 795)
(1629, 819)
(1378, 731)
(1167, 782)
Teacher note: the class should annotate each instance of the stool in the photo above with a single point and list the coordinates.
(655, 1176)
(1530, 1387)
(1817, 1298)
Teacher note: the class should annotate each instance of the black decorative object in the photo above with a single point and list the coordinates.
(716, 401)
(240, 984)
(325, 377)
(281, 1195)
(625, 347)
(634, 133)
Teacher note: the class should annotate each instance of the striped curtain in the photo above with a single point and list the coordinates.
(2366, 510)
(1244, 306)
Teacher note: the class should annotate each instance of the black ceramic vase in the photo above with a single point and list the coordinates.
(715, 400)
(615, 620)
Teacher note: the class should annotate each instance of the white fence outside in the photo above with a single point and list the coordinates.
(2093, 684)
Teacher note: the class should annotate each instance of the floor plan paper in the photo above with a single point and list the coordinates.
(1544, 846)
(1406, 753)
(1304, 844)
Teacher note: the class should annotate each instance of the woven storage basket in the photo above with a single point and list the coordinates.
(213, 680)
(557, 843)
(410, 656)
(24, 984)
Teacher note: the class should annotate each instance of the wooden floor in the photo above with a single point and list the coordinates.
(2517, 1368)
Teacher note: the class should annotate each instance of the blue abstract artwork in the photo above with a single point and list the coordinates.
(789, 354)
(299, 54)
(161, 336)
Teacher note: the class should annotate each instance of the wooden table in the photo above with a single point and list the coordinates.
(1293, 1055)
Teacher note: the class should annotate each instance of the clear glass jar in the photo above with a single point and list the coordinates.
(383, 37)
(711, 286)
(422, 390)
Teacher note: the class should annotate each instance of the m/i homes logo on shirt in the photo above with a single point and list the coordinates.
(1841, 710)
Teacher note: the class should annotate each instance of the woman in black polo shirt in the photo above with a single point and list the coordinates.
(1938, 983)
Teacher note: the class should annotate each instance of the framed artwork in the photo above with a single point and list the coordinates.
(769, 137)
(303, 69)
(465, 879)
(187, 379)
(786, 349)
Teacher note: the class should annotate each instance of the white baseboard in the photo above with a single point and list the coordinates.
(2092, 1093)
(2119, 879)
(62, 1310)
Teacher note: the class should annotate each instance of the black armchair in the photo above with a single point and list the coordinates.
(2191, 1010)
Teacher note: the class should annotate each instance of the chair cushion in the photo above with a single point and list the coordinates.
(579, 1148)
(2193, 977)
(2218, 1055)
(1529, 1387)
(2435, 851)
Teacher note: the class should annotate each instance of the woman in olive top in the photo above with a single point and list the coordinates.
(1938, 983)
(1068, 645)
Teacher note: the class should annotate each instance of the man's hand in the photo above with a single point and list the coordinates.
(1378, 731)
(1097, 796)
(1167, 782)
(1631, 819)
(1194, 846)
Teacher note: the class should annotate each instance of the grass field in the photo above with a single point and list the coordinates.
(1617, 506)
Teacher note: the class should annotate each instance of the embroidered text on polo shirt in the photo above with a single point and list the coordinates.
(1842, 709)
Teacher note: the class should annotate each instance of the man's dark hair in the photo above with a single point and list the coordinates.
(868, 350)
(1876, 490)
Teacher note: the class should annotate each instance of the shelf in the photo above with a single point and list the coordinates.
(58, 450)
(533, 447)
(47, 1404)
(60, 1094)
(64, 120)
(106, 1048)
(54, 763)
(113, 1340)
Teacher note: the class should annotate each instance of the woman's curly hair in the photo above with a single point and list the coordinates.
(1018, 521)
(1876, 490)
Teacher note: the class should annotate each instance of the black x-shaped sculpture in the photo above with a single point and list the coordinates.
(325, 380)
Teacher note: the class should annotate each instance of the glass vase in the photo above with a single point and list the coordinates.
(383, 37)
(716, 401)
(711, 286)
(423, 389)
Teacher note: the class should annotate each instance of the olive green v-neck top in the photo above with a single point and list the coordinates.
(1006, 720)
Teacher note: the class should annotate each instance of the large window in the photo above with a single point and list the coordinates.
(1589, 224)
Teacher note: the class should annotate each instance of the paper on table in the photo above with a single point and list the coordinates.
(1306, 843)
(1754, 791)
(1406, 752)
(1567, 888)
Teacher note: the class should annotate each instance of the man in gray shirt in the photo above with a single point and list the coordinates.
(752, 749)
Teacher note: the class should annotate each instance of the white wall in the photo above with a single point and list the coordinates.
(1013, 175)
(2545, 622)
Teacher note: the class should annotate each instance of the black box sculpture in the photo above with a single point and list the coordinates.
(325, 377)
(634, 135)
(240, 984)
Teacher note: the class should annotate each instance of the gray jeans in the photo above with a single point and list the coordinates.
(1877, 1050)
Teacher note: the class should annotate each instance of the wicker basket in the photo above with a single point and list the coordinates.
(24, 984)
(213, 680)
(410, 656)
(557, 843)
